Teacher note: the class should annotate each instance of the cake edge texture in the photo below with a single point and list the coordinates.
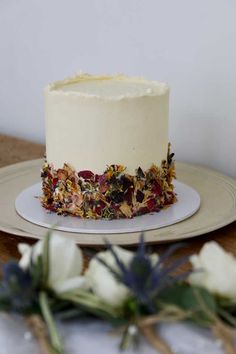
(55, 87)
(111, 195)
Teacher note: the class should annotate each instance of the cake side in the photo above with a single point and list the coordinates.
(96, 121)
(114, 194)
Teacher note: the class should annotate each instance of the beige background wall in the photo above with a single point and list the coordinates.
(190, 44)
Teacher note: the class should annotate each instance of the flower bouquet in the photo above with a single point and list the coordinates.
(134, 291)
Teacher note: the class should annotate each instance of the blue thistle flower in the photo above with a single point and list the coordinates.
(17, 291)
(13, 274)
(145, 279)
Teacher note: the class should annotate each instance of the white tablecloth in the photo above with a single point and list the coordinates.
(83, 337)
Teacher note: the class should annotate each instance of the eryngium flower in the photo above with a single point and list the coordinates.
(144, 279)
(17, 289)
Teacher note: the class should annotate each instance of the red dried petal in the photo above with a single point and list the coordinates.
(104, 187)
(86, 174)
(151, 204)
(99, 208)
(156, 188)
(54, 181)
(49, 176)
(96, 178)
(102, 179)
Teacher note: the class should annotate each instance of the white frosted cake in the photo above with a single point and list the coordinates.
(107, 147)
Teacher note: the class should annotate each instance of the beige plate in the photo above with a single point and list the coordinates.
(218, 206)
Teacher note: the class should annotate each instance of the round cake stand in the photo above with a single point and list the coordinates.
(217, 193)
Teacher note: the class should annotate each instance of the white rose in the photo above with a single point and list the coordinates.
(65, 262)
(216, 270)
(102, 281)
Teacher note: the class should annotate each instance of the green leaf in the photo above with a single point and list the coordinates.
(225, 303)
(130, 308)
(173, 294)
(200, 304)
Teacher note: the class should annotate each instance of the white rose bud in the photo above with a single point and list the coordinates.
(215, 270)
(103, 283)
(65, 262)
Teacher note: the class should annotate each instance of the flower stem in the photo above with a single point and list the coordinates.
(48, 318)
(90, 301)
(37, 326)
(125, 340)
(129, 337)
(226, 335)
(155, 340)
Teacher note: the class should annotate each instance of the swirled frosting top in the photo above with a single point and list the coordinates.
(109, 87)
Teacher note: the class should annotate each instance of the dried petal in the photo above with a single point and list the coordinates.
(156, 188)
(86, 174)
(151, 204)
(126, 210)
(139, 196)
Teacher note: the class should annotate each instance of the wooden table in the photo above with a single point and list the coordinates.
(13, 150)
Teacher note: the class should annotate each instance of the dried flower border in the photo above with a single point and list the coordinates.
(112, 195)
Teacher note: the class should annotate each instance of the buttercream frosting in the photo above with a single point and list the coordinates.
(95, 121)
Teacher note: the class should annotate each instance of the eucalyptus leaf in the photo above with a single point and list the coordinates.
(198, 302)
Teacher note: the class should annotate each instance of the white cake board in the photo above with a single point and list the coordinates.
(29, 207)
